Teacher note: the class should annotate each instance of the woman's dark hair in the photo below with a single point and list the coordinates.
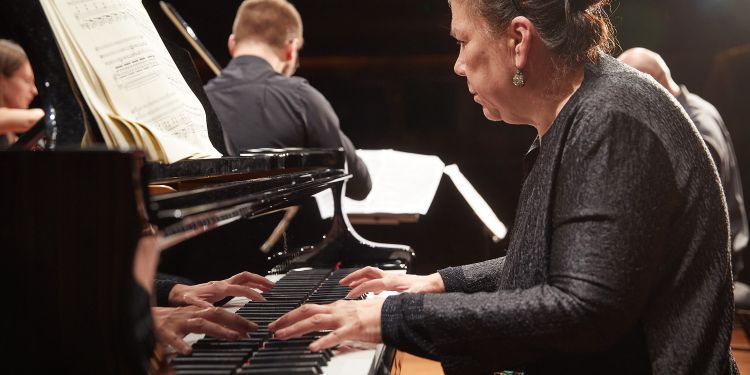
(575, 30)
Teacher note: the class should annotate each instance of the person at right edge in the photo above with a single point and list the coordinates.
(713, 131)
(259, 102)
(619, 257)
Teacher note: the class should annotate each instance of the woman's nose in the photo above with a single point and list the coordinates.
(459, 67)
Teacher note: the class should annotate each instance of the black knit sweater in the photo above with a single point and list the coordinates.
(618, 259)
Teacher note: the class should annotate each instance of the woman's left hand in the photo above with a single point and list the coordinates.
(349, 320)
(204, 295)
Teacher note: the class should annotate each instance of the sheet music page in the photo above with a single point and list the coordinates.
(118, 46)
(402, 183)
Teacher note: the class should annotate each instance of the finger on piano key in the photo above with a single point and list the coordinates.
(303, 312)
(359, 276)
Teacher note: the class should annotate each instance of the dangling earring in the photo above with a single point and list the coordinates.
(518, 79)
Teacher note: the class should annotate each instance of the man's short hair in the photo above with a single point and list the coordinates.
(273, 22)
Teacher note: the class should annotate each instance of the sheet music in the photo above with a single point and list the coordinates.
(402, 183)
(129, 78)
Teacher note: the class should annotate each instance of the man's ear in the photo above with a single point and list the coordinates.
(231, 44)
(289, 50)
(520, 30)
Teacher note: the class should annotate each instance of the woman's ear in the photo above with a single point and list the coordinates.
(520, 38)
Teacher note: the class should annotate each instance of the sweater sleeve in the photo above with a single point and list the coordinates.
(471, 278)
(614, 195)
(163, 287)
(163, 284)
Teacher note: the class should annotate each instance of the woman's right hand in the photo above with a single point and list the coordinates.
(371, 279)
(171, 324)
(18, 120)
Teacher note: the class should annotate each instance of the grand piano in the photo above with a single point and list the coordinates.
(75, 217)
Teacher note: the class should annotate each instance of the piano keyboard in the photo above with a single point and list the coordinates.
(259, 353)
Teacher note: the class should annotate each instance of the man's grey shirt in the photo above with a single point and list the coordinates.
(711, 127)
(618, 261)
(260, 108)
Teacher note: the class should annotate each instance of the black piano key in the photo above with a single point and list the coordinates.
(327, 354)
(267, 309)
(260, 336)
(283, 370)
(206, 360)
(317, 357)
(217, 339)
(214, 353)
(281, 359)
(259, 315)
(286, 344)
(214, 367)
(300, 364)
(296, 339)
(286, 351)
(237, 351)
(268, 304)
(257, 319)
(228, 345)
(204, 372)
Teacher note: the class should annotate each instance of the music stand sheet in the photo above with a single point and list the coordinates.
(402, 183)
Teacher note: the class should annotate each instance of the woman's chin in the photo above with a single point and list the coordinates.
(491, 115)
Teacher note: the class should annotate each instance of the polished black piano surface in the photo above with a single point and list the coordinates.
(75, 216)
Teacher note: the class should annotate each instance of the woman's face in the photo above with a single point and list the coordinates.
(18, 89)
(486, 61)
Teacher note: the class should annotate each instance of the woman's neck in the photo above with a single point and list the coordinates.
(550, 104)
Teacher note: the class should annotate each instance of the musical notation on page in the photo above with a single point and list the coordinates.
(127, 76)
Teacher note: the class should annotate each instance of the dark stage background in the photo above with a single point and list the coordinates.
(387, 68)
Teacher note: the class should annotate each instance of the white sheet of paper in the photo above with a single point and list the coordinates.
(402, 183)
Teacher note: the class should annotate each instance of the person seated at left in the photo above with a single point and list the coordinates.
(17, 90)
